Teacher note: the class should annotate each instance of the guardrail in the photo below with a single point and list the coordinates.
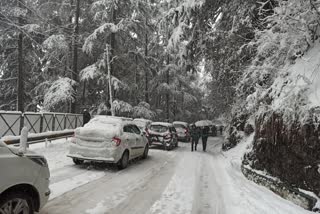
(36, 138)
(11, 122)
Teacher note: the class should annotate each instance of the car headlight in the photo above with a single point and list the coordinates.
(39, 160)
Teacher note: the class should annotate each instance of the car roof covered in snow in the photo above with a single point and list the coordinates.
(109, 120)
(180, 123)
(107, 117)
(142, 120)
(161, 124)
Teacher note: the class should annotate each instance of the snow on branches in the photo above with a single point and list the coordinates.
(95, 73)
(89, 42)
(122, 106)
(61, 91)
(56, 42)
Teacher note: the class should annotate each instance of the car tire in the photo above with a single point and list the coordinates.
(177, 143)
(123, 162)
(77, 161)
(146, 151)
(13, 199)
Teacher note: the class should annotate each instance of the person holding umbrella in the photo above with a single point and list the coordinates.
(204, 136)
(195, 135)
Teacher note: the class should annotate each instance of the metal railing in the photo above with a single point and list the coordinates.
(11, 123)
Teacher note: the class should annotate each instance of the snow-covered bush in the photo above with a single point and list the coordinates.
(142, 110)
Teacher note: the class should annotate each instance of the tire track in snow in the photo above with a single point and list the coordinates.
(178, 196)
(110, 190)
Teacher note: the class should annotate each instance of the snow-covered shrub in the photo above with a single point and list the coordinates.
(142, 110)
(122, 108)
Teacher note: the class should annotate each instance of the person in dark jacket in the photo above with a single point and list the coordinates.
(86, 116)
(195, 135)
(204, 135)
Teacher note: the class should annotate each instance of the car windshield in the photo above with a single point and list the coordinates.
(158, 128)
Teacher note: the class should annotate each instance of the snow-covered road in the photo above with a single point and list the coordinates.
(174, 182)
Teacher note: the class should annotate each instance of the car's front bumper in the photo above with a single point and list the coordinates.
(42, 185)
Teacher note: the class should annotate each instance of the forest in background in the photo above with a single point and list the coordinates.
(169, 59)
(175, 60)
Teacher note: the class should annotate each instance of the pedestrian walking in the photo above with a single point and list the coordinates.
(86, 116)
(221, 129)
(195, 135)
(204, 136)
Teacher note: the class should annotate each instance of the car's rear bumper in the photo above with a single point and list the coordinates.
(94, 154)
(96, 159)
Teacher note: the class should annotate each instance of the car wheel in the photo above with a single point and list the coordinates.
(146, 151)
(123, 162)
(77, 161)
(16, 203)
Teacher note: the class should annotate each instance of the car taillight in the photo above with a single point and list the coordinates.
(117, 141)
(168, 136)
(186, 131)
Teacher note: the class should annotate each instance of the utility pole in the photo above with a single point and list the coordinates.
(109, 81)
(75, 55)
(20, 82)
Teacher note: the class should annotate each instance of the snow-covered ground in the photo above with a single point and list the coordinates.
(173, 182)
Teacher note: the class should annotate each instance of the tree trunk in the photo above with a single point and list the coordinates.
(167, 95)
(136, 91)
(146, 70)
(113, 39)
(75, 55)
(109, 80)
(20, 83)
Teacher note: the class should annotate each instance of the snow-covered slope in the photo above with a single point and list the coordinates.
(299, 84)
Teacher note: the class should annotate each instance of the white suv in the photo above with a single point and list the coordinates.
(108, 139)
(24, 181)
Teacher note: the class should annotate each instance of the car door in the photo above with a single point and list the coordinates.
(130, 139)
(140, 140)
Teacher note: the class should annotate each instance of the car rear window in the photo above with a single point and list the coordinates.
(158, 128)
(179, 126)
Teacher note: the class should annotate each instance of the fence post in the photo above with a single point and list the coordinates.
(53, 122)
(76, 123)
(21, 122)
(65, 121)
(41, 122)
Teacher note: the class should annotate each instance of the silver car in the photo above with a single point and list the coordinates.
(108, 139)
(24, 181)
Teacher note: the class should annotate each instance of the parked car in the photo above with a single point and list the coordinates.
(108, 139)
(163, 134)
(24, 183)
(142, 124)
(183, 131)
